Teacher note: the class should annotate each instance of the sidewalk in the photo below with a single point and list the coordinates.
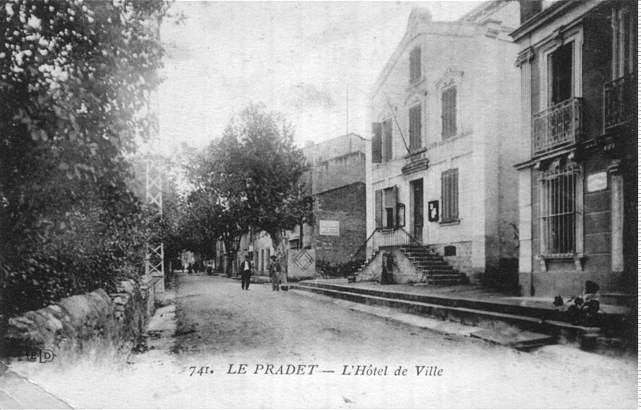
(19, 392)
(504, 319)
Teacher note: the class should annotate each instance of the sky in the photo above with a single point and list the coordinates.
(315, 62)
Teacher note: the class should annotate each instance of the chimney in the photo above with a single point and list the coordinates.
(529, 8)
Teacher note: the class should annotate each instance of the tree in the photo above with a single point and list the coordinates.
(254, 173)
(75, 79)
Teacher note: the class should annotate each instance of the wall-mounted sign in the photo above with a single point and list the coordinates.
(597, 182)
(432, 211)
(328, 228)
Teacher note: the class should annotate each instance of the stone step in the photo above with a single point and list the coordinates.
(436, 269)
(427, 260)
(474, 317)
(539, 313)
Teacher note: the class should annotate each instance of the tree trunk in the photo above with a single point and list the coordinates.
(280, 251)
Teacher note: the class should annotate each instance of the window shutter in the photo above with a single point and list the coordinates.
(415, 127)
(377, 142)
(387, 140)
(448, 112)
(394, 203)
(378, 204)
(449, 195)
(415, 64)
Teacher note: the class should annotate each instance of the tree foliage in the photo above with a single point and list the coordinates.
(252, 177)
(75, 81)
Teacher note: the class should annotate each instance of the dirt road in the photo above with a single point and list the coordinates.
(264, 349)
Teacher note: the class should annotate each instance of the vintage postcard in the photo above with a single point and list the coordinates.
(318, 204)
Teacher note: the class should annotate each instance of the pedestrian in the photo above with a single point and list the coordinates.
(274, 273)
(245, 273)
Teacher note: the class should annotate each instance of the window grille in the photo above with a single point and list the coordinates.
(415, 65)
(448, 112)
(558, 211)
(415, 127)
(449, 195)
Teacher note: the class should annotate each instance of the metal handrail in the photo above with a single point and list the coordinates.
(388, 238)
(363, 245)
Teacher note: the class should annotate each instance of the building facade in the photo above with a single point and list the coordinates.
(336, 180)
(578, 139)
(444, 115)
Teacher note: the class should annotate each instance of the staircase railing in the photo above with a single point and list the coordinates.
(361, 252)
(382, 238)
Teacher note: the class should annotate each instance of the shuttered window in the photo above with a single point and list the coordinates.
(415, 127)
(385, 201)
(415, 65)
(387, 140)
(377, 142)
(449, 195)
(448, 112)
(389, 214)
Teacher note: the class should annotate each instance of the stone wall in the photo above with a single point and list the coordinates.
(81, 320)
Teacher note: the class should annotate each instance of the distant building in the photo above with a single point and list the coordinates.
(578, 146)
(445, 113)
(336, 180)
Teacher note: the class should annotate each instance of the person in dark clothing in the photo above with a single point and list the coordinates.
(245, 273)
(275, 271)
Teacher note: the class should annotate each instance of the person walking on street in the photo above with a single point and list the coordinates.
(245, 273)
(274, 273)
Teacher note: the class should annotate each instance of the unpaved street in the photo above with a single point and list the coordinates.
(235, 348)
(216, 318)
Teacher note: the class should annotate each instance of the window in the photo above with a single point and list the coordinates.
(558, 211)
(377, 143)
(449, 195)
(448, 112)
(560, 69)
(387, 140)
(262, 260)
(415, 65)
(385, 207)
(268, 256)
(415, 127)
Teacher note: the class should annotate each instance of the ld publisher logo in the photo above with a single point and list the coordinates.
(40, 355)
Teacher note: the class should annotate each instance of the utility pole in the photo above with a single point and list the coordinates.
(155, 254)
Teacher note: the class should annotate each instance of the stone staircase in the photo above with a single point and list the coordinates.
(433, 268)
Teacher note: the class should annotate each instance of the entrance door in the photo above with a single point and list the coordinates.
(417, 209)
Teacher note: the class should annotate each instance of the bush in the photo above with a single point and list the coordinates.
(337, 270)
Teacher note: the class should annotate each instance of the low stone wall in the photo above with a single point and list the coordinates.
(76, 321)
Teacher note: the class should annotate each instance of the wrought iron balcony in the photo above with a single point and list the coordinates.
(557, 126)
(619, 101)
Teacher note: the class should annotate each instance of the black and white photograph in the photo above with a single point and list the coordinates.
(318, 204)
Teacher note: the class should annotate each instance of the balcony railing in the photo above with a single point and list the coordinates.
(557, 126)
(619, 101)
